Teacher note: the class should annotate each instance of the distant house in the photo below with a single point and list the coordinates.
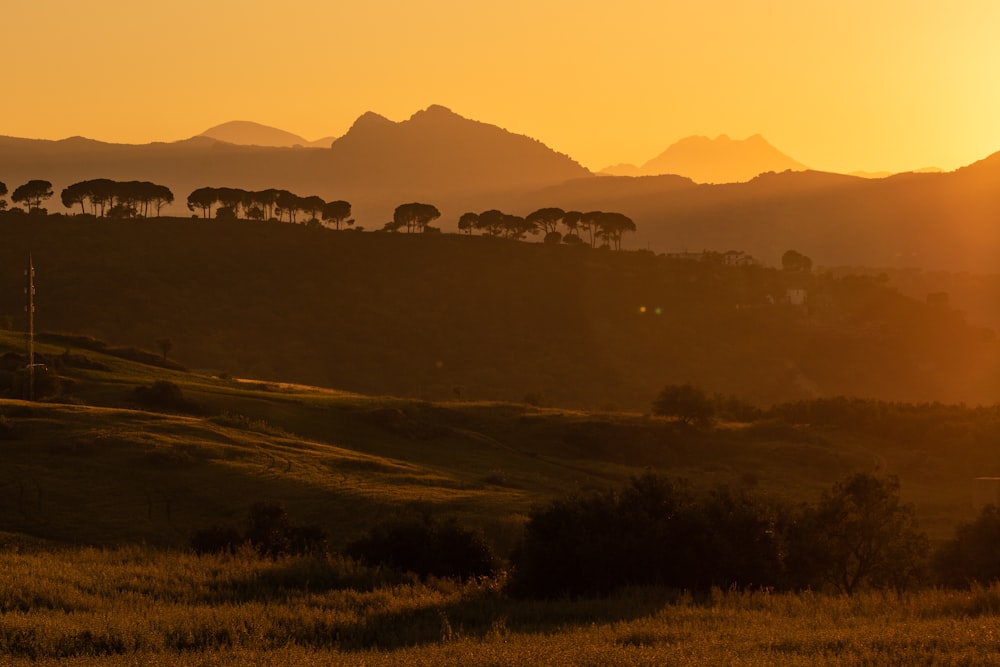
(795, 296)
(738, 258)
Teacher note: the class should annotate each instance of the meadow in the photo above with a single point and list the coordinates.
(139, 606)
(101, 495)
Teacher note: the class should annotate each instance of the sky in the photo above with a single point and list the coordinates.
(845, 85)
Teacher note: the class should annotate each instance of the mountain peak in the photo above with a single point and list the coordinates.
(371, 118)
(720, 160)
(434, 110)
(249, 133)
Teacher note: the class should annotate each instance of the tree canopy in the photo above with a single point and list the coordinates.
(32, 193)
(117, 199)
(414, 217)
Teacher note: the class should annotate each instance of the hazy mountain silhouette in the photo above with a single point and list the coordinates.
(886, 174)
(436, 155)
(940, 221)
(248, 133)
(719, 160)
(945, 221)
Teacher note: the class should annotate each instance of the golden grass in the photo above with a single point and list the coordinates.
(139, 606)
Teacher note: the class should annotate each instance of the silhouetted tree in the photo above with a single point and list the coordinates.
(571, 221)
(160, 196)
(414, 216)
(468, 222)
(491, 222)
(165, 345)
(685, 402)
(612, 226)
(546, 219)
(337, 213)
(3, 193)
(267, 199)
(792, 260)
(862, 535)
(74, 194)
(32, 194)
(590, 223)
(232, 199)
(286, 202)
(100, 192)
(972, 556)
(515, 227)
(312, 206)
(203, 198)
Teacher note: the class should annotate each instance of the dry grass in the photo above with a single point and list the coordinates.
(136, 606)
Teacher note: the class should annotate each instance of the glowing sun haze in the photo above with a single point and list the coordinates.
(840, 86)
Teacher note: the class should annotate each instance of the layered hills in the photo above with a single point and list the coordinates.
(446, 315)
(247, 133)
(435, 155)
(934, 221)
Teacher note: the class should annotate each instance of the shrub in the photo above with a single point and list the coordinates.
(164, 395)
(973, 555)
(427, 548)
(652, 532)
(215, 539)
(685, 402)
(269, 531)
(859, 535)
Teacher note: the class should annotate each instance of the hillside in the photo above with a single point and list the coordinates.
(447, 316)
(92, 465)
(933, 221)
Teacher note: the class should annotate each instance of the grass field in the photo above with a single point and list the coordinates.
(90, 467)
(139, 606)
(99, 497)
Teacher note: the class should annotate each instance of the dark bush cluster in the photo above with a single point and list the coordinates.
(972, 556)
(164, 395)
(656, 532)
(269, 531)
(427, 548)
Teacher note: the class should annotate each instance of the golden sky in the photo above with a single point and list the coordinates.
(838, 85)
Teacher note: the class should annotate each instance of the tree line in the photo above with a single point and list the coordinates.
(606, 227)
(104, 197)
(269, 204)
(657, 531)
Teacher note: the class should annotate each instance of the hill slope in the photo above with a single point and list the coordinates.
(933, 221)
(440, 316)
(93, 467)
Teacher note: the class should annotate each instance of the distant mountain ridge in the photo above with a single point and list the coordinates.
(941, 221)
(436, 155)
(249, 133)
(719, 160)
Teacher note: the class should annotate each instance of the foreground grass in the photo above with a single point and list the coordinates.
(137, 606)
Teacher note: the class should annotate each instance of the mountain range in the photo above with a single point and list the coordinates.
(941, 221)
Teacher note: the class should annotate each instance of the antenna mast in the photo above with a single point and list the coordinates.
(30, 308)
